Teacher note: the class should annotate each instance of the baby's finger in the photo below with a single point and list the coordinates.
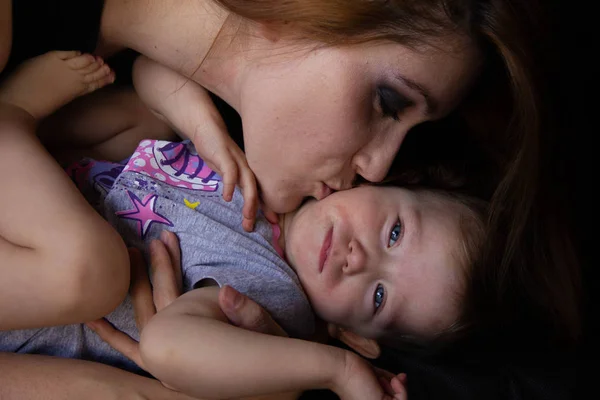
(248, 224)
(230, 177)
(117, 340)
(386, 385)
(270, 215)
(402, 378)
(250, 200)
(140, 290)
(384, 373)
(399, 388)
(228, 189)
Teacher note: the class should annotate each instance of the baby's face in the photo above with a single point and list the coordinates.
(379, 260)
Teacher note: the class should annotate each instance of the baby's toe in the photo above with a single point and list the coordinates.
(66, 54)
(80, 62)
(97, 74)
(100, 79)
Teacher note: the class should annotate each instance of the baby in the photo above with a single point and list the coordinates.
(380, 262)
(38, 198)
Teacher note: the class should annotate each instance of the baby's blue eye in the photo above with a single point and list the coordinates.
(395, 234)
(379, 296)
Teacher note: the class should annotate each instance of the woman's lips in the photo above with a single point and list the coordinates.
(323, 191)
(325, 249)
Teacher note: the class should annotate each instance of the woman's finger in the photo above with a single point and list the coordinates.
(164, 283)
(171, 242)
(245, 313)
(117, 340)
(140, 290)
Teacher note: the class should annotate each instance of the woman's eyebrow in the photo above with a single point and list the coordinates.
(431, 104)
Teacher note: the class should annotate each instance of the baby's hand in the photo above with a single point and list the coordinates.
(225, 157)
(360, 381)
(189, 109)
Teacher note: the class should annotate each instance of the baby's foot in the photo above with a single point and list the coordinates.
(45, 83)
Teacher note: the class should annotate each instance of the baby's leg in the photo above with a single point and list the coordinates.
(60, 262)
(105, 125)
(45, 83)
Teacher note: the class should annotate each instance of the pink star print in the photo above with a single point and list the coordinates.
(143, 213)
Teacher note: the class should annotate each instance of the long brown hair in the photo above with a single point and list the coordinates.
(528, 268)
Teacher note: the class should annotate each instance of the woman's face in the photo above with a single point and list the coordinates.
(314, 120)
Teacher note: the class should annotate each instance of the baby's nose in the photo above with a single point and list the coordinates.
(356, 258)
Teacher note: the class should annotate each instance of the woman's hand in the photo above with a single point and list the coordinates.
(359, 380)
(246, 313)
(165, 269)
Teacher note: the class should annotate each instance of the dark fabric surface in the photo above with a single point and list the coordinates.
(43, 25)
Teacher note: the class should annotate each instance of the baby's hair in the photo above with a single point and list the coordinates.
(473, 233)
(471, 215)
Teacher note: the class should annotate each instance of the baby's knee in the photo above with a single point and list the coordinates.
(98, 273)
(15, 121)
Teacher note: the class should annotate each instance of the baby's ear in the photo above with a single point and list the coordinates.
(366, 347)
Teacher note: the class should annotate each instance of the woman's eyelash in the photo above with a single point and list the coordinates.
(391, 102)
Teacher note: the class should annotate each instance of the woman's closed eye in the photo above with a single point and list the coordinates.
(395, 234)
(391, 102)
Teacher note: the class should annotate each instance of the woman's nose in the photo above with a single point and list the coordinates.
(356, 259)
(373, 161)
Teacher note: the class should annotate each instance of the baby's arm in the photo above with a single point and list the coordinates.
(190, 346)
(190, 111)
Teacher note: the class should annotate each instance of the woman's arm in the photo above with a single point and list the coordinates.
(190, 346)
(26, 376)
(35, 377)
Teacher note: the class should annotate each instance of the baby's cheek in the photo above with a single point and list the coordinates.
(330, 310)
